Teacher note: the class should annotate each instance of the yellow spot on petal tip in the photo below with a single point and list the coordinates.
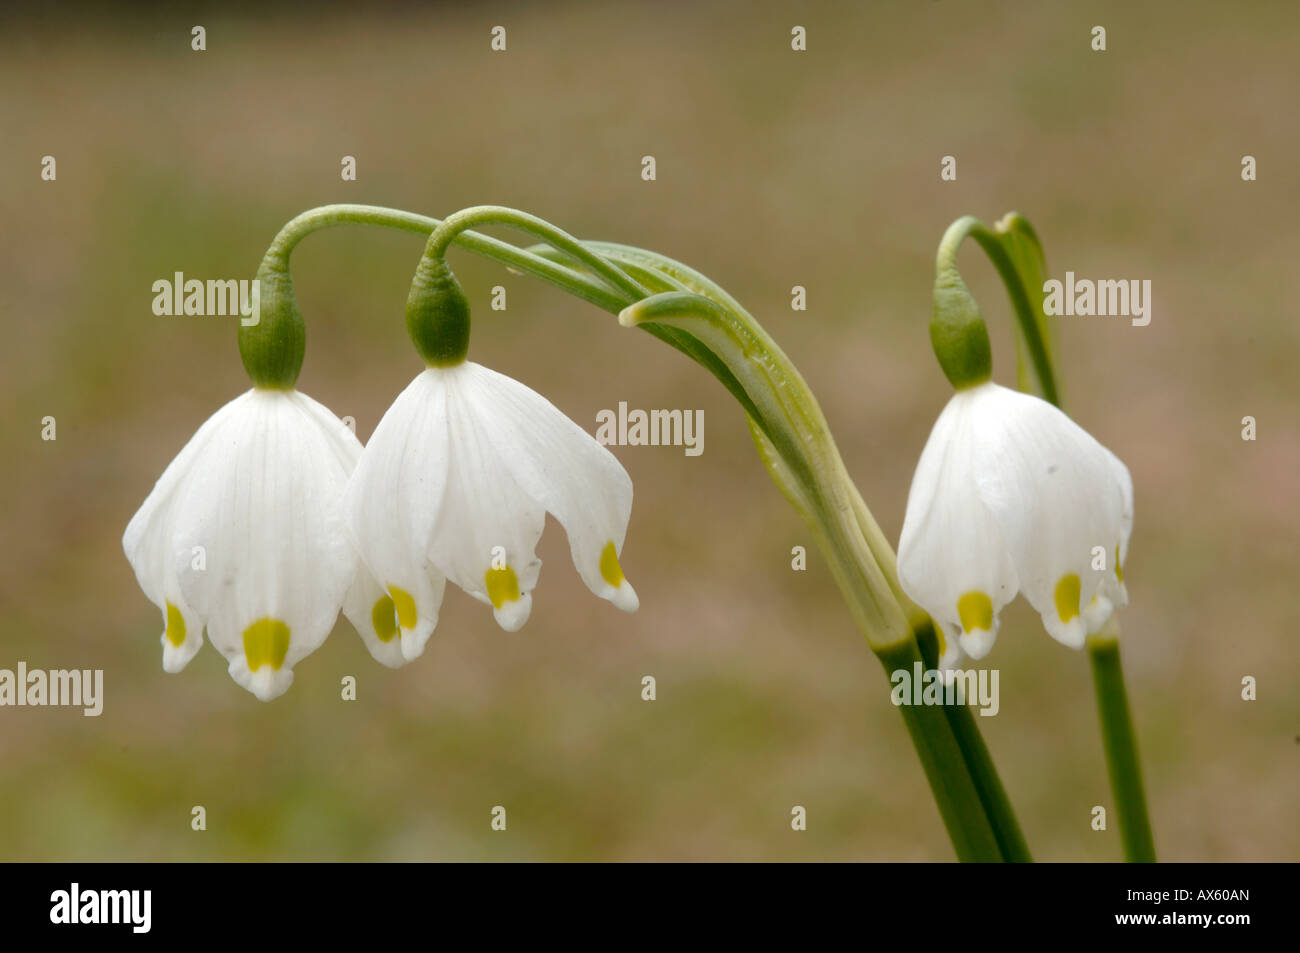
(404, 605)
(384, 618)
(1119, 570)
(266, 642)
(175, 626)
(975, 610)
(502, 586)
(1067, 597)
(610, 570)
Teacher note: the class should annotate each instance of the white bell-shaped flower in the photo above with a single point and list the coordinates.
(1010, 495)
(243, 534)
(455, 483)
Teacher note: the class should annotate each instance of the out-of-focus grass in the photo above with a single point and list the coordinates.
(774, 169)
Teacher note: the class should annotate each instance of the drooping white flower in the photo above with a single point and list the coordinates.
(455, 483)
(1011, 495)
(243, 534)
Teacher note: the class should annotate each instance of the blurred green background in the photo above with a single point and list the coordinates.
(774, 169)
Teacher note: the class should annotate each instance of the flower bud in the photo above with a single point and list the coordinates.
(957, 332)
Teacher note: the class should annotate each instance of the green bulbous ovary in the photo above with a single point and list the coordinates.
(958, 334)
(272, 348)
(437, 314)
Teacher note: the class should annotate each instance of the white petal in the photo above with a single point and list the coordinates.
(1114, 586)
(149, 546)
(1054, 491)
(339, 437)
(392, 502)
(952, 557)
(950, 651)
(1097, 612)
(367, 605)
(1111, 592)
(182, 634)
(264, 502)
(488, 526)
(561, 467)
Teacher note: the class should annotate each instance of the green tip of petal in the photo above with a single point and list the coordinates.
(266, 642)
(1067, 597)
(404, 605)
(502, 586)
(1119, 570)
(610, 570)
(175, 626)
(384, 618)
(975, 610)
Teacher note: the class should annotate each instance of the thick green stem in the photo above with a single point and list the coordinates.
(1121, 748)
(960, 805)
(1002, 817)
(865, 568)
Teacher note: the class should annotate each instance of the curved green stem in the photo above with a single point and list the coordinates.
(1026, 311)
(806, 467)
(459, 222)
(517, 259)
(783, 408)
